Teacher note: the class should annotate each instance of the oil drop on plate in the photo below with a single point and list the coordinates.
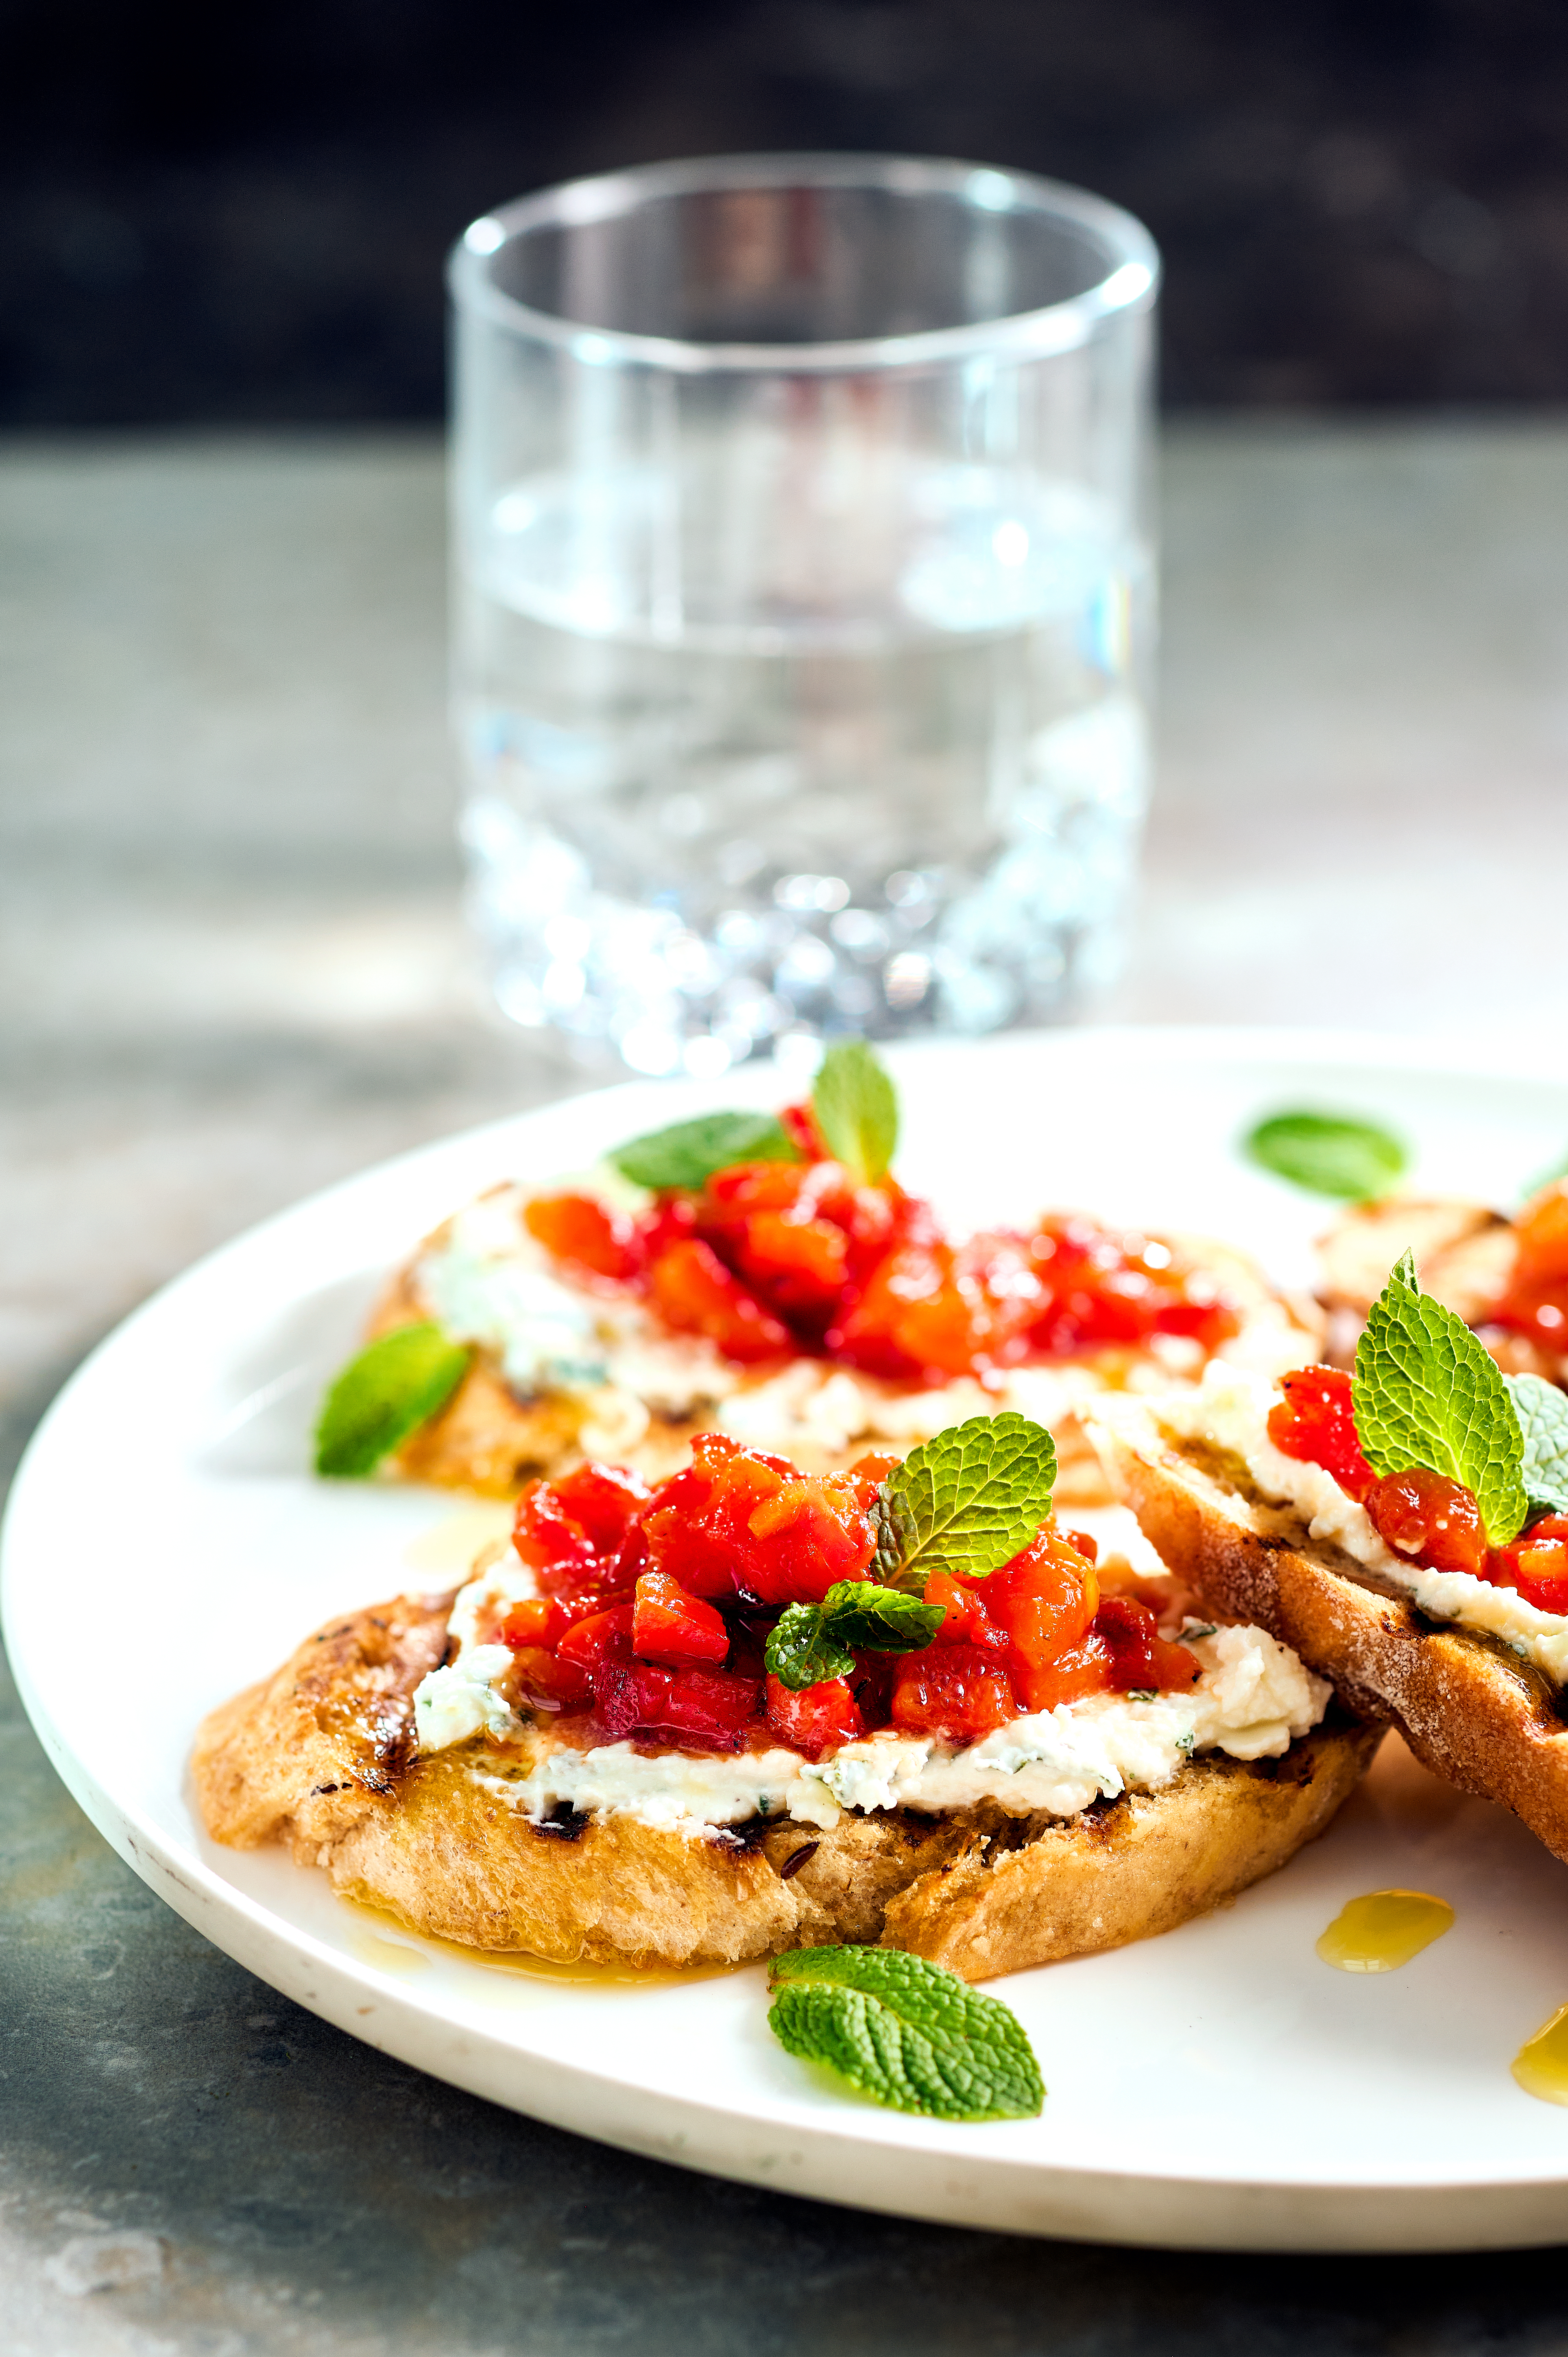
(1383, 1929)
(1540, 2066)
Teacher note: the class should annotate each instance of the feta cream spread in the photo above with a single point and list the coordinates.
(1252, 1699)
(1229, 1410)
(490, 1283)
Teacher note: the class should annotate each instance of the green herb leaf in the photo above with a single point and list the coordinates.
(1542, 1412)
(967, 1500)
(874, 1619)
(396, 1384)
(856, 1110)
(1328, 1153)
(800, 1651)
(688, 1152)
(813, 1642)
(1425, 1393)
(905, 2032)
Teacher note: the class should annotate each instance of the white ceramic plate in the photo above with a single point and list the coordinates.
(1219, 2087)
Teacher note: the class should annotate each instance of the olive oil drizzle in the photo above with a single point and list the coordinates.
(1383, 1929)
(1540, 2066)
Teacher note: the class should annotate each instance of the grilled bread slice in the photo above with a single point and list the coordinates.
(322, 1755)
(1469, 1707)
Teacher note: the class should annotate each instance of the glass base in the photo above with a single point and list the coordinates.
(922, 952)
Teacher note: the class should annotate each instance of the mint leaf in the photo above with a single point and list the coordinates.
(396, 1384)
(855, 1108)
(905, 2032)
(1425, 1393)
(1328, 1153)
(801, 1652)
(1542, 1412)
(967, 1500)
(688, 1152)
(812, 1642)
(874, 1619)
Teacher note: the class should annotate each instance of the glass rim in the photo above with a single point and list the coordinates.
(1128, 286)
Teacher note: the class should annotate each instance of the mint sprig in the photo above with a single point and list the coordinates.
(813, 1642)
(855, 1108)
(1328, 1153)
(1542, 1412)
(1426, 1393)
(688, 1153)
(966, 1501)
(396, 1384)
(905, 2032)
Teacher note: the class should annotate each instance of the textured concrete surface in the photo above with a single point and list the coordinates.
(232, 968)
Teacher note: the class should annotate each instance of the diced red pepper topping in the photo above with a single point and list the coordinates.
(769, 1257)
(1430, 1520)
(580, 1227)
(628, 1627)
(669, 1624)
(1141, 1660)
(956, 1693)
(1316, 1424)
(694, 1292)
(1536, 1563)
(1046, 1600)
(740, 1520)
(1536, 1301)
(815, 1719)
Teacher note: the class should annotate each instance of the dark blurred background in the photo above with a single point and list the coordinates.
(230, 215)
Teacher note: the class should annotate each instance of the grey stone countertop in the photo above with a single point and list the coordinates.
(233, 968)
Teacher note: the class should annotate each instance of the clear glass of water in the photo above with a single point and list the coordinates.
(804, 599)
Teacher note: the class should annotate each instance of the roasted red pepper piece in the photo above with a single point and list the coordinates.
(1141, 1660)
(1536, 1562)
(669, 1624)
(1429, 1519)
(1536, 1301)
(695, 1293)
(580, 1227)
(956, 1693)
(816, 1719)
(1045, 1599)
(1316, 1424)
(739, 1520)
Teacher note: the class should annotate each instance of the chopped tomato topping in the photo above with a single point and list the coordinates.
(580, 1227)
(669, 1624)
(816, 1719)
(1430, 1519)
(1536, 1563)
(1316, 1424)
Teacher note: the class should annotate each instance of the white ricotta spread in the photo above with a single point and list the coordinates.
(1252, 1699)
(1228, 1409)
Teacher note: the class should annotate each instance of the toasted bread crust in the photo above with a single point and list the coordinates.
(1468, 1707)
(320, 1757)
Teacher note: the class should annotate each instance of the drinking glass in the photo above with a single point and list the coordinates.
(804, 599)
